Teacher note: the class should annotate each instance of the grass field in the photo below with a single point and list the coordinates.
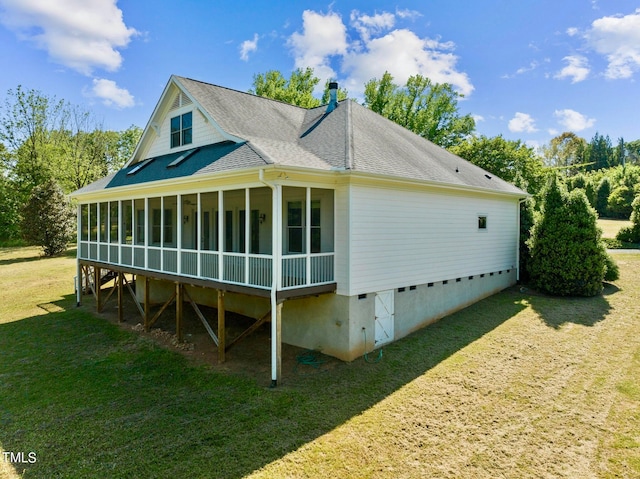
(610, 227)
(519, 385)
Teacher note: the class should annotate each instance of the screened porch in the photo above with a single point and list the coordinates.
(225, 236)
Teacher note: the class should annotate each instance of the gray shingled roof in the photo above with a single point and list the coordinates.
(351, 137)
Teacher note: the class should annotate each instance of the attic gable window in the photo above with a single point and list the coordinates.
(181, 128)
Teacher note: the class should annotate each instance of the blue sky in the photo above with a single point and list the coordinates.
(529, 69)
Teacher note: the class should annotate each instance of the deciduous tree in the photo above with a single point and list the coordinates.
(511, 160)
(297, 90)
(426, 108)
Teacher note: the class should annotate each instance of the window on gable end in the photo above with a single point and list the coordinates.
(181, 130)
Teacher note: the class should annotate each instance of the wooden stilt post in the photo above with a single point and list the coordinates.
(179, 303)
(85, 269)
(146, 303)
(97, 286)
(221, 336)
(120, 296)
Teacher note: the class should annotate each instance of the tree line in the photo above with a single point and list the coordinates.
(47, 145)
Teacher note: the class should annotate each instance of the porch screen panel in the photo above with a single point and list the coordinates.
(139, 221)
(127, 222)
(84, 223)
(93, 222)
(170, 222)
(261, 200)
(155, 221)
(209, 219)
(189, 221)
(84, 231)
(322, 220)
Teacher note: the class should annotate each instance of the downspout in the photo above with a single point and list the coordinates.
(520, 201)
(275, 274)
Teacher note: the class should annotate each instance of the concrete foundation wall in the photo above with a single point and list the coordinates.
(425, 304)
(344, 326)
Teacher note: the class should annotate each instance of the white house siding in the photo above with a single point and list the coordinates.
(203, 133)
(401, 238)
(342, 224)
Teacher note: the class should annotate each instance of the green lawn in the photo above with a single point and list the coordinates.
(610, 227)
(518, 385)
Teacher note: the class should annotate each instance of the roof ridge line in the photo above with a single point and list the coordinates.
(349, 138)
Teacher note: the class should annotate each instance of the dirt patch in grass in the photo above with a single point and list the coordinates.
(250, 357)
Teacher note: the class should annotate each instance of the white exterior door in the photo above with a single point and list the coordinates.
(384, 317)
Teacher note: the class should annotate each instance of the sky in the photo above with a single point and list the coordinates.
(528, 69)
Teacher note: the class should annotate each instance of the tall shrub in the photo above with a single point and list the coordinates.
(526, 223)
(48, 219)
(567, 254)
(631, 233)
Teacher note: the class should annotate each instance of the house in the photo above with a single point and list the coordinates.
(344, 229)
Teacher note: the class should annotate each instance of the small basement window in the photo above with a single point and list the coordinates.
(482, 222)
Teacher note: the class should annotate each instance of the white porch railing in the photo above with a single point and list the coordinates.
(253, 270)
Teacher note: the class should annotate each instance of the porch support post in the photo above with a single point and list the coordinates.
(276, 309)
(277, 319)
(97, 286)
(179, 310)
(120, 281)
(146, 303)
(78, 265)
(79, 271)
(221, 235)
(221, 327)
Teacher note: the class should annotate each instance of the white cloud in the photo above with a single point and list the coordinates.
(248, 46)
(577, 68)
(571, 120)
(79, 34)
(367, 25)
(111, 94)
(374, 48)
(403, 53)
(522, 122)
(322, 36)
(572, 31)
(406, 13)
(617, 38)
(478, 118)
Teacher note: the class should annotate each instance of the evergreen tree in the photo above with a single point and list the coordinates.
(631, 233)
(568, 257)
(600, 152)
(526, 223)
(602, 196)
(48, 219)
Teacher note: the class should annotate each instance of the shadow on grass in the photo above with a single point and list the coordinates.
(557, 311)
(93, 400)
(69, 253)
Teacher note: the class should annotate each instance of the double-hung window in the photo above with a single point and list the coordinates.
(181, 130)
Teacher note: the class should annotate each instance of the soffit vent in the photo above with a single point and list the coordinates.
(180, 100)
